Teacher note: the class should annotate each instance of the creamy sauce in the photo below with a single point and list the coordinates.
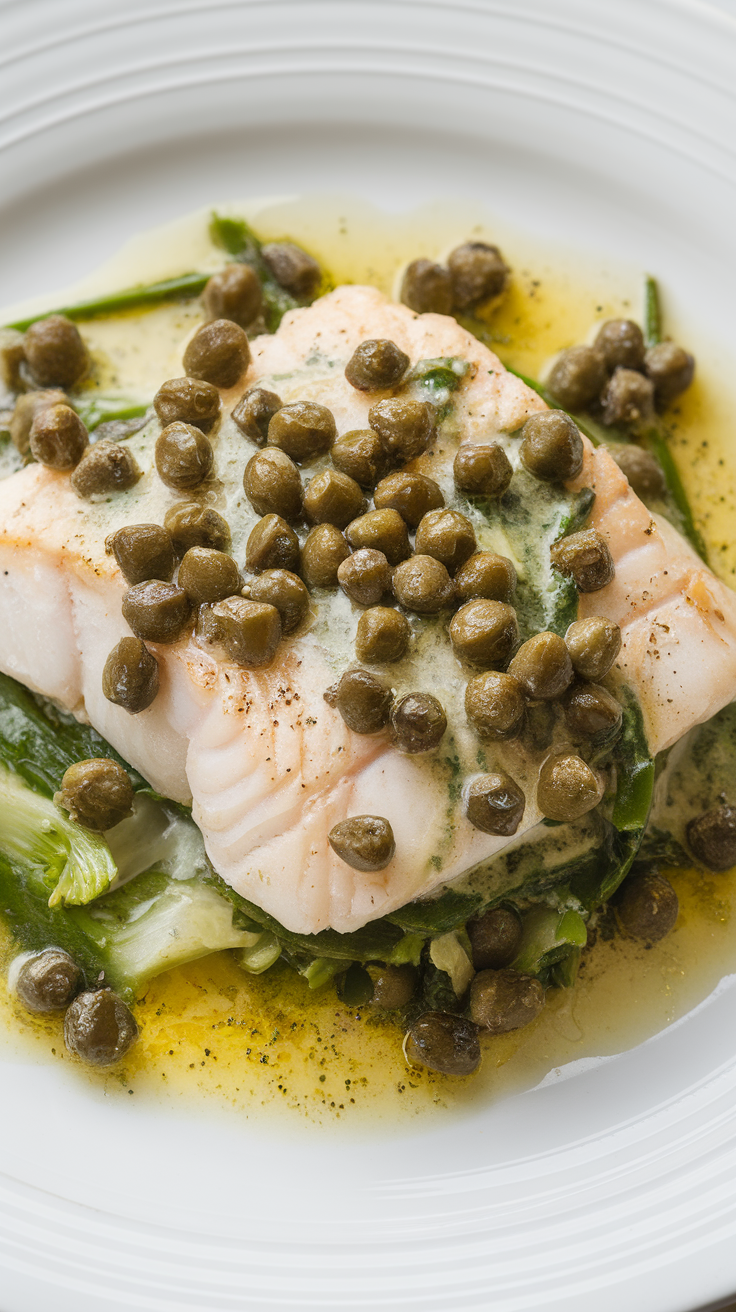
(267, 1044)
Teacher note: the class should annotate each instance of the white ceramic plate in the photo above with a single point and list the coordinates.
(610, 126)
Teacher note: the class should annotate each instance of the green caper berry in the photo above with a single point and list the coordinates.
(621, 343)
(58, 438)
(405, 428)
(184, 457)
(542, 667)
(382, 636)
(427, 288)
(448, 536)
(303, 430)
(142, 552)
(418, 723)
(272, 545)
(246, 632)
(648, 906)
(444, 1043)
(412, 495)
(97, 793)
(105, 467)
(591, 712)
(234, 293)
(365, 576)
(376, 365)
(495, 804)
(586, 558)
(494, 704)
(48, 981)
(323, 552)
(482, 470)
(56, 354)
(577, 377)
(551, 446)
(189, 401)
(478, 272)
(218, 353)
(487, 575)
(273, 484)
(484, 632)
(254, 412)
(207, 575)
(567, 788)
(99, 1028)
(393, 986)
(333, 498)
(130, 677)
(422, 584)
(285, 591)
(712, 837)
(292, 267)
(364, 842)
(494, 938)
(362, 701)
(593, 644)
(381, 530)
(671, 369)
(360, 455)
(504, 1000)
(156, 611)
(191, 524)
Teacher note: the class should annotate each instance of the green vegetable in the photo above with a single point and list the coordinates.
(655, 441)
(652, 312)
(95, 408)
(692, 777)
(73, 864)
(132, 298)
(450, 954)
(548, 936)
(259, 955)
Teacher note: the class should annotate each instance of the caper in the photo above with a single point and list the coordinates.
(484, 632)
(156, 611)
(418, 723)
(567, 788)
(273, 484)
(105, 467)
(422, 584)
(272, 545)
(647, 906)
(551, 446)
(644, 473)
(48, 981)
(494, 938)
(427, 288)
(130, 677)
(485, 574)
(234, 293)
(99, 1028)
(482, 470)
(142, 552)
(586, 558)
(375, 365)
(188, 401)
(591, 712)
(218, 353)
(285, 591)
(621, 343)
(382, 530)
(58, 438)
(382, 636)
(494, 704)
(97, 793)
(184, 457)
(412, 495)
(254, 412)
(478, 272)
(443, 1043)
(303, 430)
(671, 369)
(333, 498)
(542, 667)
(360, 455)
(362, 700)
(577, 377)
(207, 575)
(191, 524)
(628, 398)
(393, 986)
(404, 427)
(246, 632)
(292, 267)
(56, 354)
(323, 552)
(27, 406)
(593, 644)
(364, 842)
(503, 1000)
(365, 576)
(495, 803)
(712, 837)
(448, 536)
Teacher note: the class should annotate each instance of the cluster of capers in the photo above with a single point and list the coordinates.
(98, 1026)
(500, 999)
(475, 272)
(618, 377)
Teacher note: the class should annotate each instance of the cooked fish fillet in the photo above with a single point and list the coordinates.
(268, 766)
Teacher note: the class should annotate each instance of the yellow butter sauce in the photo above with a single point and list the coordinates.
(266, 1046)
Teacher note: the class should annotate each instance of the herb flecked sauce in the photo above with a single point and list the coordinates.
(266, 1045)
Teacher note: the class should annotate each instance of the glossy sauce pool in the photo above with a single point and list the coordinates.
(267, 1045)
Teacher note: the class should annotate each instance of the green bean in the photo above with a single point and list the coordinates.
(652, 312)
(132, 298)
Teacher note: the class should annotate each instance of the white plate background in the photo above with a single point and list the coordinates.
(610, 125)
